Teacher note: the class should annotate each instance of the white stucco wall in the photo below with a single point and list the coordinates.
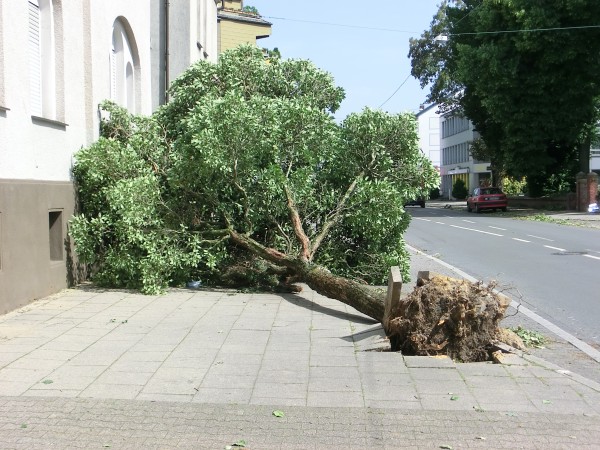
(32, 149)
(136, 14)
(1, 60)
(191, 22)
(212, 37)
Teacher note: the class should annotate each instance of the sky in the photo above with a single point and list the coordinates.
(364, 45)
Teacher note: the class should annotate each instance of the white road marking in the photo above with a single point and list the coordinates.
(538, 237)
(441, 223)
(555, 248)
(496, 228)
(468, 221)
(520, 240)
(478, 231)
(420, 218)
(593, 257)
(590, 250)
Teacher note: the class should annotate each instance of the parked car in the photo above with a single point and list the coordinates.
(487, 198)
(416, 202)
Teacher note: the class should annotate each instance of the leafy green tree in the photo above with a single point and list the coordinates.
(274, 53)
(459, 190)
(525, 72)
(251, 10)
(513, 187)
(245, 171)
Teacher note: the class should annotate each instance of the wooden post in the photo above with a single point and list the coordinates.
(392, 299)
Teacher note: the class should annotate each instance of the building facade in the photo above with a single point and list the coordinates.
(428, 119)
(58, 60)
(457, 135)
(237, 26)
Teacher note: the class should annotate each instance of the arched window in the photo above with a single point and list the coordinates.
(42, 58)
(129, 87)
(124, 67)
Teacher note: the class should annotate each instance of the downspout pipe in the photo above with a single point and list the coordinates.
(167, 33)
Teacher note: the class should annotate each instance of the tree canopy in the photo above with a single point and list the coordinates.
(525, 72)
(246, 168)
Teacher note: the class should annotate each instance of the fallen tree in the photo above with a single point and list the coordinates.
(245, 177)
(246, 168)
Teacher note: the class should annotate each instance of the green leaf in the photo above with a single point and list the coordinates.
(278, 413)
(546, 402)
(23, 425)
(530, 338)
(447, 447)
(47, 382)
(454, 397)
(240, 443)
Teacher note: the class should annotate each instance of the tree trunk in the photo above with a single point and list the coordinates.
(584, 154)
(361, 297)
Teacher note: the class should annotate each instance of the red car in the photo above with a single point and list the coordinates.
(487, 198)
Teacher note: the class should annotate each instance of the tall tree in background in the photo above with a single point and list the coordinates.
(526, 72)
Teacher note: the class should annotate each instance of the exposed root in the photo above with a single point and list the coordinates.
(447, 316)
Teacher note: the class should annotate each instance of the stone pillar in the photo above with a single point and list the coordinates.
(592, 187)
(582, 192)
(392, 299)
(587, 190)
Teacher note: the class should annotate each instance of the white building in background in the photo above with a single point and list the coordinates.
(58, 60)
(457, 134)
(428, 119)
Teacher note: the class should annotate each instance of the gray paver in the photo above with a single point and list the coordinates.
(113, 390)
(335, 399)
(391, 393)
(205, 369)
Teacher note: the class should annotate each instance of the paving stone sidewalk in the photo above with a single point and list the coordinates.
(116, 354)
(41, 423)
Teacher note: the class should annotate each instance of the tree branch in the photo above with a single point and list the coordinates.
(244, 194)
(297, 225)
(335, 216)
(282, 232)
(269, 254)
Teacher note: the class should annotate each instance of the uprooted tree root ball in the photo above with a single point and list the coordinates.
(446, 316)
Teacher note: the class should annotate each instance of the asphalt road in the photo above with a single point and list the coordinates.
(552, 269)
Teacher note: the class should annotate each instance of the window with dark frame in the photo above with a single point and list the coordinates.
(55, 230)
